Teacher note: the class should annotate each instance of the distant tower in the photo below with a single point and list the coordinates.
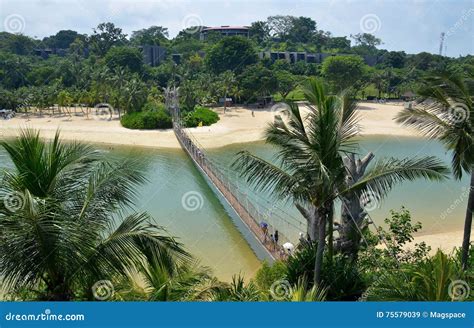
(441, 42)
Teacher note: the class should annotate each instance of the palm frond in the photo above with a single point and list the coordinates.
(265, 176)
(381, 178)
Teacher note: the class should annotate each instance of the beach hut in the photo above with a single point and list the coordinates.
(408, 95)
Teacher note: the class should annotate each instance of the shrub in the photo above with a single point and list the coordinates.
(269, 274)
(153, 106)
(147, 120)
(439, 278)
(394, 240)
(200, 115)
(341, 277)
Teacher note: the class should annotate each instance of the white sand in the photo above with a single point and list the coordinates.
(88, 130)
(236, 126)
(446, 241)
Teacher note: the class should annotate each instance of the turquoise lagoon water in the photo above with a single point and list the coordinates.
(205, 228)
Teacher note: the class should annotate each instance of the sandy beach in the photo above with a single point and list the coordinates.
(237, 125)
(446, 241)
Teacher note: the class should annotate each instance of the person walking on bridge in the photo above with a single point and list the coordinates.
(275, 240)
(264, 227)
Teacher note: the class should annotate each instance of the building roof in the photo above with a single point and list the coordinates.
(225, 27)
(410, 94)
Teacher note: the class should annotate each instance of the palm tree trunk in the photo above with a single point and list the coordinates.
(468, 224)
(311, 215)
(331, 233)
(225, 101)
(321, 244)
(352, 212)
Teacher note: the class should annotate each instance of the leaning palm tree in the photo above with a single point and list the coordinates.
(63, 222)
(446, 113)
(310, 170)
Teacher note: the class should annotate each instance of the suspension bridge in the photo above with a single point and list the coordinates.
(247, 211)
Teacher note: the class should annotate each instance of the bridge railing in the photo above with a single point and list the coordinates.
(249, 213)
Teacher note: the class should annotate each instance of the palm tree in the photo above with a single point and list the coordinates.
(302, 293)
(449, 117)
(227, 80)
(155, 281)
(310, 167)
(119, 81)
(62, 219)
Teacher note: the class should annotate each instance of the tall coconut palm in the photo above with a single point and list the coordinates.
(226, 80)
(448, 116)
(310, 168)
(62, 219)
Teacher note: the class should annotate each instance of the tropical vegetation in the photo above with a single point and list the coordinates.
(63, 222)
(200, 116)
(151, 117)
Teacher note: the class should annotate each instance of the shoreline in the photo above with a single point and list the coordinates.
(237, 125)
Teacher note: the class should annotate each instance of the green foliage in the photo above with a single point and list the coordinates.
(231, 54)
(147, 120)
(63, 39)
(257, 80)
(340, 276)
(268, 274)
(343, 279)
(239, 292)
(287, 82)
(69, 231)
(449, 118)
(302, 293)
(105, 36)
(366, 39)
(16, 43)
(200, 115)
(259, 31)
(124, 57)
(153, 35)
(439, 278)
(301, 263)
(153, 106)
(388, 248)
(343, 72)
